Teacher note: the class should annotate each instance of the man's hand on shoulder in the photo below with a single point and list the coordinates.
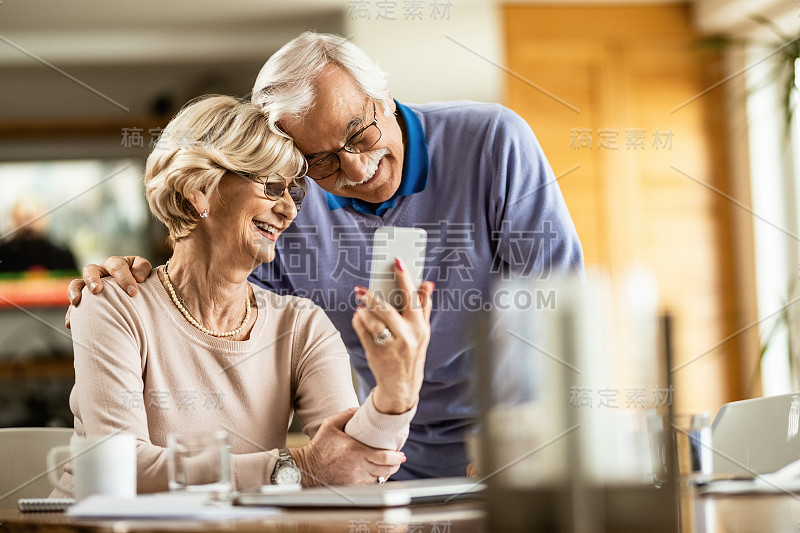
(128, 271)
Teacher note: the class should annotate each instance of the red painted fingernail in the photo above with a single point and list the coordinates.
(360, 290)
(399, 264)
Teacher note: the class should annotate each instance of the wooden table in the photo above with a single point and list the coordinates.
(464, 517)
(699, 514)
(741, 514)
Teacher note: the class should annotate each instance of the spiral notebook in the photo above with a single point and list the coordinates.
(44, 505)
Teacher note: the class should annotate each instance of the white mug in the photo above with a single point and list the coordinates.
(100, 465)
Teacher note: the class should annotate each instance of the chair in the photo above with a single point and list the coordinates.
(22, 462)
(758, 436)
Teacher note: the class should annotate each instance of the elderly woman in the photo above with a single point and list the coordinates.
(200, 349)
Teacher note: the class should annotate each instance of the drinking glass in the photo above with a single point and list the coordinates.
(199, 462)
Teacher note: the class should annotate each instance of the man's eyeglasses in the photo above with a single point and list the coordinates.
(275, 185)
(325, 165)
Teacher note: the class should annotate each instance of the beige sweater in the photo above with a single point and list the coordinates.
(141, 368)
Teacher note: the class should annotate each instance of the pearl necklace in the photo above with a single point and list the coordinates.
(178, 301)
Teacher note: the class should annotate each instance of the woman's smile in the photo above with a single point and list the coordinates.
(267, 230)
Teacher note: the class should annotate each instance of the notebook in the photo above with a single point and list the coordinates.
(392, 494)
(44, 505)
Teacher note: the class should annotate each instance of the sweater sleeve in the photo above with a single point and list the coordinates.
(377, 429)
(108, 397)
(324, 386)
(531, 226)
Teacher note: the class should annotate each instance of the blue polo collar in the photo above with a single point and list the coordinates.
(415, 170)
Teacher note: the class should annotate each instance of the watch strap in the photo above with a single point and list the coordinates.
(285, 460)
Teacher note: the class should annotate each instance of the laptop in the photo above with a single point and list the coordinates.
(391, 494)
(757, 436)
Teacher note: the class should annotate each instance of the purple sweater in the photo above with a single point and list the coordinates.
(491, 207)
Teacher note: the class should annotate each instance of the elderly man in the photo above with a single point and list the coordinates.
(472, 175)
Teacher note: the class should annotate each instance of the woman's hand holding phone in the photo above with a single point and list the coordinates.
(395, 340)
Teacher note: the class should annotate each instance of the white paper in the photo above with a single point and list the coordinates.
(163, 506)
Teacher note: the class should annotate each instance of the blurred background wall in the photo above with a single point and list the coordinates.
(671, 144)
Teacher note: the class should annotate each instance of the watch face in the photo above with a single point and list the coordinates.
(288, 475)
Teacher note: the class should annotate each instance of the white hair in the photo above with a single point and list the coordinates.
(285, 86)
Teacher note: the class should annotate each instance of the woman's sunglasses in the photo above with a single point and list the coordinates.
(275, 185)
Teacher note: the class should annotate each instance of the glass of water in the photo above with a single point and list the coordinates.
(199, 463)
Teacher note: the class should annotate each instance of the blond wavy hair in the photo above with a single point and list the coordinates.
(208, 137)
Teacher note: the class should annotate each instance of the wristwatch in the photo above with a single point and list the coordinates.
(286, 471)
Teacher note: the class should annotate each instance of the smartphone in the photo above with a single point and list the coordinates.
(409, 245)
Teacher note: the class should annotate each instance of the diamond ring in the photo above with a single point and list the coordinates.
(383, 337)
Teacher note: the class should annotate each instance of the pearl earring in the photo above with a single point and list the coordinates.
(204, 214)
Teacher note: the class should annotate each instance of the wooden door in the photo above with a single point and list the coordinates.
(615, 97)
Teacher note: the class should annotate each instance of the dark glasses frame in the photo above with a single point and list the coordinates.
(274, 188)
(330, 156)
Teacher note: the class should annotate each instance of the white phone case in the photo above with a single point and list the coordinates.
(409, 245)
